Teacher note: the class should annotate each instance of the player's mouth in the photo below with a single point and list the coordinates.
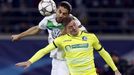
(59, 19)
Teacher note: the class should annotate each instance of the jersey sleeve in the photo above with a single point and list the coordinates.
(96, 43)
(106, 56)
(43, 24)
(42, 52)
(57, 42)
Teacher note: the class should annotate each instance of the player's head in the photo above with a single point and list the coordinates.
(71, 26)
(63, 10)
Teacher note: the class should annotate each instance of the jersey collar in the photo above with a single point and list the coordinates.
(79, 34)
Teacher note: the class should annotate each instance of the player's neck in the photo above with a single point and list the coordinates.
(76, 35)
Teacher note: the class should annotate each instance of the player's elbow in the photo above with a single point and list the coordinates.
(35, 30)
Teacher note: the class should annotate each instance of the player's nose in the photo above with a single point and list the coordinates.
(73, 27)
(61, 15)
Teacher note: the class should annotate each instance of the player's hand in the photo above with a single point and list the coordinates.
(15, 37)
(117, 72)
(25, 64)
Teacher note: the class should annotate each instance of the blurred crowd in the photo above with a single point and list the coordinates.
(98, 16)
(125, 67)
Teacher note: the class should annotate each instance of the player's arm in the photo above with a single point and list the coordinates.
(40, 54)
(37, 56)
(105, 55)
(31, 31)
(45, 50)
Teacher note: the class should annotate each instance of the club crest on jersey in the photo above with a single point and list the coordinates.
(84, 38)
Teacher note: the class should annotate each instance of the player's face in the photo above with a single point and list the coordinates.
(61, 13)
(72, 28)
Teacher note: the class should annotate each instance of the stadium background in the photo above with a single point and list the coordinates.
(111, 20)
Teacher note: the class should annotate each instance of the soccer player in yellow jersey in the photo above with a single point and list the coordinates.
(78, 47)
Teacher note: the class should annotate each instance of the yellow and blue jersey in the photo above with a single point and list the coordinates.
(78, 52)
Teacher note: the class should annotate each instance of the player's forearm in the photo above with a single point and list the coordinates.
(108, 59)
(37, 56)
(41, 53)
(31, 31)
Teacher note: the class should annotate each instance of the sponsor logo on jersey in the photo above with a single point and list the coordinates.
(74, 46)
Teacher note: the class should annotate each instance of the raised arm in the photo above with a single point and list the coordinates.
(31, 31)
(37, 56)
(42, 52)
(105, 55)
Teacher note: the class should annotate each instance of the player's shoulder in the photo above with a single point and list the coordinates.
(89, 34)
(72, 16)
(60, 38)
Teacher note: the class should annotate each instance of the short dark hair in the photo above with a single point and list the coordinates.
(67, 20)
(66, 5)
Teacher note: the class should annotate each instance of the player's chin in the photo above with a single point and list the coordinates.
(60, 20)
(73, 33)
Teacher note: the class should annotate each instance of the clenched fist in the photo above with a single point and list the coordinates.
(15, 37)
